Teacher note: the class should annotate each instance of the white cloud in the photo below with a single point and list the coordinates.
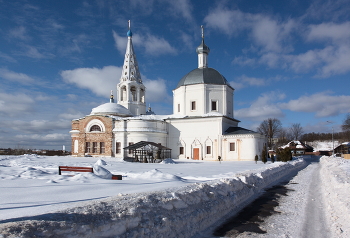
(7, 58)
(39, 126)
(15, 77)
(102, 81)
(156, 90)
(120, 42)
(54, 137)
(99, 81)
(244, 61)
(19, 33)
(16, 104)
(71, 114)
(262, 108)
(182, 8)
(228, 21)
(152, 45)
(323, 104)
(329, 31)
(245, 81)
(268, 33)
(157, 46)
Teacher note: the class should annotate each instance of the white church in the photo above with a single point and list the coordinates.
(202, 126)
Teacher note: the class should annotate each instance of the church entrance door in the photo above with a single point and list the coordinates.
(196, 153)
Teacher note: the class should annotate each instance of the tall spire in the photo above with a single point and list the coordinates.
(130, 68)
(131, 91)
(202, 51)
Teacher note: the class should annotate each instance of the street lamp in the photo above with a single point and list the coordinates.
(332, 137)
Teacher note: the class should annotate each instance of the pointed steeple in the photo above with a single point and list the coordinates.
(202, 51)
(130, 68)
(131, 91)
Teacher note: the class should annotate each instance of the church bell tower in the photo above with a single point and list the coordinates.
(131, 91)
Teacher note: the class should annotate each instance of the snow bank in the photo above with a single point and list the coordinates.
(177, 212)
(335, 176)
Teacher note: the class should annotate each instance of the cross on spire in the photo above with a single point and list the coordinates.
(202, 31)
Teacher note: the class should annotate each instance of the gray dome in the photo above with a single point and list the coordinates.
(111, 108)
(203, 76)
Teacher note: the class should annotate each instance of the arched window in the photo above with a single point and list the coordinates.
(95, 128)
(142, 95)
(133, 94)
(123, 94)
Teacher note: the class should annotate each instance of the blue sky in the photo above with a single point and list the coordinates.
(58, 59)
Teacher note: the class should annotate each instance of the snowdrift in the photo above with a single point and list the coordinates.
(335, 177)
(178, 212)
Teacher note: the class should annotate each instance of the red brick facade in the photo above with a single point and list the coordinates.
(81, 132)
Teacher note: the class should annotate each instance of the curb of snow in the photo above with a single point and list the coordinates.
(335, 178)
(178, 212)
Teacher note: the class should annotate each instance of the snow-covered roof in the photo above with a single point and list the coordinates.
(298, 145)
(111, 108)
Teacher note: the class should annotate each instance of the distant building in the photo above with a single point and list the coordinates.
(299, 148)
(342, 149)
(202, 126)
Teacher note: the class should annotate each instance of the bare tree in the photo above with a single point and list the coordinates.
(284, 136)
(346, 123)
(346, 127)
(296, 131)
(270, 128)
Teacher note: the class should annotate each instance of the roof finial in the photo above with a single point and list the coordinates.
(111, 98)
(129, 34)
(202, 31)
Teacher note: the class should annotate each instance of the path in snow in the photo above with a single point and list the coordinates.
(301, 213)
(315, 224)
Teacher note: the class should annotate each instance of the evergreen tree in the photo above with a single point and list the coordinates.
(264, 155)
(256, 159)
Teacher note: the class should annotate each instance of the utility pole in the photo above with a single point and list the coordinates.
(332, 137)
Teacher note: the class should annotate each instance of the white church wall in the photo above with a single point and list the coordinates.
(135, 130)
(194, 133)
(245, 147)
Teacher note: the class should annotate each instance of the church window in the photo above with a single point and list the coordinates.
(117, 147)
(102, 147)
(94, 147)
(193, 106)
(208, 150)
(123, 94)
(181, 150)
(232, 146)
(178, 107)
(133, 94)
(142, 95)
(95, 128)
(87, 147)
(214, 105)
(76, 146)
(126, 66)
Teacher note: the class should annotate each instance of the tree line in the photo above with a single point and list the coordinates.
(277, 135)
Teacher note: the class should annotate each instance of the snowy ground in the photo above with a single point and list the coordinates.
(316, 205)
(30, 184)
(189, 198)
